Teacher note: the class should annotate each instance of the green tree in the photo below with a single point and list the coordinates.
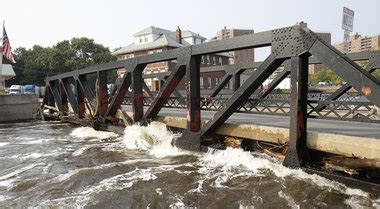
(33, 65)
(326, 75)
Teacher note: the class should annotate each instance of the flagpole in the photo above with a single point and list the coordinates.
(2, 86)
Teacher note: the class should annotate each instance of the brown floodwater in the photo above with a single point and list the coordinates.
(54, 165)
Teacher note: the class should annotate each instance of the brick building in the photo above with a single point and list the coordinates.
(240, 56)
(153, 40)
(358, 43)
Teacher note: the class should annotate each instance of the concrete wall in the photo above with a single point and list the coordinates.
(18, 107)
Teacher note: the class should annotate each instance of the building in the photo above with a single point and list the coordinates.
(240, 56)
(359, 43)
(153, 40)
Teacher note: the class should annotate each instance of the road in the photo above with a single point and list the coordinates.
(350, 128)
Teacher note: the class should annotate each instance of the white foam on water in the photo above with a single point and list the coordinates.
(2, 144)
(18, 171)
(38, 141)
(291, 202)
(6, 183)
(155, 138)
(178, 203)
(34, 155)
(158, 191)
(228, 162)
(3, 197)
(88, 132)
(80, 151)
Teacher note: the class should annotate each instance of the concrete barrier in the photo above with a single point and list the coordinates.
(345, 145)
(18, 107)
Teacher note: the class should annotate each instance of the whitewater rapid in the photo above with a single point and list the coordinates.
(143, 160)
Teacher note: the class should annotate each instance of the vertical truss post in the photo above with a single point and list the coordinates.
(236, 81)
(102, 93)
(137, 94)
(81, 109)
(193, 94)
(297, 152)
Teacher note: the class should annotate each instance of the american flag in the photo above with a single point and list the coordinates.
(7, 49)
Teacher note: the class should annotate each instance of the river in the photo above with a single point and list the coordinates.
(54, 165)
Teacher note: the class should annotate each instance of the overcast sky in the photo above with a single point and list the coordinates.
(112, 22)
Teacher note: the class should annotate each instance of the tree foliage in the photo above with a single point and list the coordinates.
(33, 65)
(326, 75)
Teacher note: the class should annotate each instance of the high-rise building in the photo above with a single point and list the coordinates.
(359, 43)
(246, 55)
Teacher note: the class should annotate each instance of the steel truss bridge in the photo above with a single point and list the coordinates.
(292, 48)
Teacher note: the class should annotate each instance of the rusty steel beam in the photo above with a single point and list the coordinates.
(88, 92)
(137, 93)
(54, 87)
(297, 151)
(63, 96)
(165, 91)
(70, 94)
(118, 98)
(81, 107)
(147, 90)
(102, 94)
(193, 94)
(242, 94)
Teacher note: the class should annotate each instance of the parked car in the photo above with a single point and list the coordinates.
(16, 89)
(31, 89)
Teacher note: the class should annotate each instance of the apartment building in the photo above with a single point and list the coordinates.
(154, 40)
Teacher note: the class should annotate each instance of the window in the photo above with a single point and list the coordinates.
(202, 59)
(201, 82)
(209, 82)
(158, 50)
(214, 60)
(141, 40)
(208, 59)
(127, 56)
(218, 80)
(146, 39)
(220, 61)
(150, 52)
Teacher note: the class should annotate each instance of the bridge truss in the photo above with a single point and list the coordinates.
(292, 48)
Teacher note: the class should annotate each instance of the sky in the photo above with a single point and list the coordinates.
(113, 22)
